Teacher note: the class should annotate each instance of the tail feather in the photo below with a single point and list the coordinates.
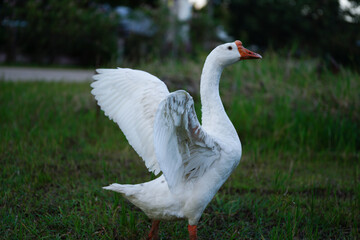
(126, 189)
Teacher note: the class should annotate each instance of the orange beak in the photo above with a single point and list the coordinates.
(245, 53)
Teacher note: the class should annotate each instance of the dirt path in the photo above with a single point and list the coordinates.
(45, 74)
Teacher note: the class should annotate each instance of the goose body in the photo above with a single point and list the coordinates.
(162, 127)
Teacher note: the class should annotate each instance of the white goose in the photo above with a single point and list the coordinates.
(164, 130)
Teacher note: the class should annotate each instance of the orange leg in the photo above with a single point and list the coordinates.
(154, 231)
(192, 232)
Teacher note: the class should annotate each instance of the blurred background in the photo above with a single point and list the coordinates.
(297, 113)
(104, 32)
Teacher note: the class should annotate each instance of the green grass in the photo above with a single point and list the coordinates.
(299, 177)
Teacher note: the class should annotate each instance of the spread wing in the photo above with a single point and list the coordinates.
(131, 98)
(183, 149)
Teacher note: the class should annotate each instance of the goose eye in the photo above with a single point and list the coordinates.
(230, 47)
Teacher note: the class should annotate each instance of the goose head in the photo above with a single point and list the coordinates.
(233, 52)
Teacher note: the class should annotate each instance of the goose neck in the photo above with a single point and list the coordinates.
(210, 78)
(213, 112)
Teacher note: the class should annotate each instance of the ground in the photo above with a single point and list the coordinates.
(299, 177)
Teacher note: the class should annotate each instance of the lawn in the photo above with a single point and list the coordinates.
(299, 177)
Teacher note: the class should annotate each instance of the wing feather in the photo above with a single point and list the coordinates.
(131, 98)
(183, 149)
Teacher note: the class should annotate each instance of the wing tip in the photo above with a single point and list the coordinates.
(100, 71)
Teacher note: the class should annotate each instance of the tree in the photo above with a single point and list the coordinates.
(317, 26)
(79, 29)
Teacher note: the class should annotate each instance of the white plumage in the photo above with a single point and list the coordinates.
(131, 98)
(164, 130)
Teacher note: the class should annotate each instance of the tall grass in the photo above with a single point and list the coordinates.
(298, 177)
